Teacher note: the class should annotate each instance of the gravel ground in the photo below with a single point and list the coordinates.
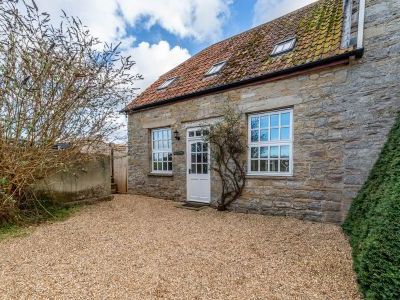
(143, 248)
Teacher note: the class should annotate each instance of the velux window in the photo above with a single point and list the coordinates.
(167, 83)
(270, 143)
(284, 46)
(215, 69)
(161, 150)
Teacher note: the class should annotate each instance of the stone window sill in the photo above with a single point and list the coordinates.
(160, 174)
(270, 177)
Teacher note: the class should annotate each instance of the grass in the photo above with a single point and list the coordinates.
(30, 219)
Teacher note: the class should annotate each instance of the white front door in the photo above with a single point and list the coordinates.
(198, 170)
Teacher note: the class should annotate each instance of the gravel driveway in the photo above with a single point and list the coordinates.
(143, 248)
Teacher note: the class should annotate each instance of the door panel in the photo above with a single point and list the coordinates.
(198, 173)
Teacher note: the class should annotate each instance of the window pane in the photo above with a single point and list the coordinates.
(263, 165)
(165, 166)
(170, 166)
(264, 122)
(205, 157)
(273, 165)
(193, 158)
(287, 46)
(165, 156)
(285, 133)
(159, 157)
(191, 133)
(274, 134)
(254, 152)
(284, 166)
(199, 155)
(198, 132)
(284, 151)
(254, 165)
(274, 151)
(205, 169)
(169, 134)
(205, 147)
(159, 145)
(193, 169)
(154, 157)
(164, 134)
(155, 166)
(264, 135)
(159, 166)
(169, 144)
(285, 119)
(254, 122)
(193, 147)
(199, 169)
(154, 135)
(254, 135)
(199, 146)
(155, 146)
(165, 145)
(274, 120)
(264, 152)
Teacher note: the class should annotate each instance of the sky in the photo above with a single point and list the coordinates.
(161, 34)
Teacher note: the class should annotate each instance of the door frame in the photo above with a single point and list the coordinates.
(188, 160)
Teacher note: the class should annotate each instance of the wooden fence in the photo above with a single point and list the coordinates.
(119, 167)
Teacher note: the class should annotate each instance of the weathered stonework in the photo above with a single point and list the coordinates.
(341, 115)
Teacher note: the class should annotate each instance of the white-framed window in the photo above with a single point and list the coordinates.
(161, 141)
(271, 143)
(216, 68)
(167, 83)
(284, 46)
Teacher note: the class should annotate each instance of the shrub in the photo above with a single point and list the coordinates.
(373, 224)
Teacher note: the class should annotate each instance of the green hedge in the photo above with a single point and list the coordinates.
(373, 224)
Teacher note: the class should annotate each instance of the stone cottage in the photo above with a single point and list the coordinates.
(319, 91)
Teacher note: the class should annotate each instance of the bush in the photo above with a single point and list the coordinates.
(373, 224)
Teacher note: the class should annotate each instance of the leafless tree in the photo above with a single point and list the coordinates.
(58, 84)
(227, 139)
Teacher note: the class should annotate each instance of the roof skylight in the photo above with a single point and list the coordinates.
(167, 83)
(216, 68)
(284, 46)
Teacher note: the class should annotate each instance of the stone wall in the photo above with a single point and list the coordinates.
(341, 119)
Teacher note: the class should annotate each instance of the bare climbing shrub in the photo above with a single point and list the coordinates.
(58, 86)
(228, 148)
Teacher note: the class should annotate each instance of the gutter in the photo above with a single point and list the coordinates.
(357, 53)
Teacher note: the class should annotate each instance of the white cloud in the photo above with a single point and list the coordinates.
(101, 18)
(267, 10)
(201, 19)
(153, 60)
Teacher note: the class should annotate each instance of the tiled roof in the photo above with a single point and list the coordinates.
(316, 27)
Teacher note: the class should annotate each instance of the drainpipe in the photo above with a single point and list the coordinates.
(361, 19)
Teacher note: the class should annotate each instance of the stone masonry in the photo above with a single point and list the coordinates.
(341, 115)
